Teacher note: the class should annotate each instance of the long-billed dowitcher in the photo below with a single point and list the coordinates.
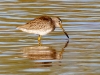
(42, 25)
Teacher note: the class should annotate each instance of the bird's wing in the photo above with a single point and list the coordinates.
(36, 24)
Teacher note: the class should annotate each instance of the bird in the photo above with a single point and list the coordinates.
(42, 25)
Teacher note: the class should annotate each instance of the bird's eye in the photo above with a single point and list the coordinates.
(59, 21)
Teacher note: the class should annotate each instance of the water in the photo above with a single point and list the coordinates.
(20, 53)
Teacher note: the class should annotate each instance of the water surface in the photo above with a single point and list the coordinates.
(20, 53)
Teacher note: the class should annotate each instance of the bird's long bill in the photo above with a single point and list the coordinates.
(64, 30)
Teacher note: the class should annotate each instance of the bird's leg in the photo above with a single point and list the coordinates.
(39, 40)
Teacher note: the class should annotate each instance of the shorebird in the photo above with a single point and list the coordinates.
(42, 25)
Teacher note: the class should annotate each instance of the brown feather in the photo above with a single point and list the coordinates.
(43, 22)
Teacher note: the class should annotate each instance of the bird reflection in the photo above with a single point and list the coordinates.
(43, 52)
(44, 56)
(39, 53)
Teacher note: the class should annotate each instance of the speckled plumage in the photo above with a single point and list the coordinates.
(41, 25)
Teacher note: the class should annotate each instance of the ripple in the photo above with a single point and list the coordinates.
(36, 70)
(80, 20)
(9, 1)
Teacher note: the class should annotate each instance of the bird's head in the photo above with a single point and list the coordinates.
(58, 23)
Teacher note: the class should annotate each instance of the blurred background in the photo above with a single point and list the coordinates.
(20, 53)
